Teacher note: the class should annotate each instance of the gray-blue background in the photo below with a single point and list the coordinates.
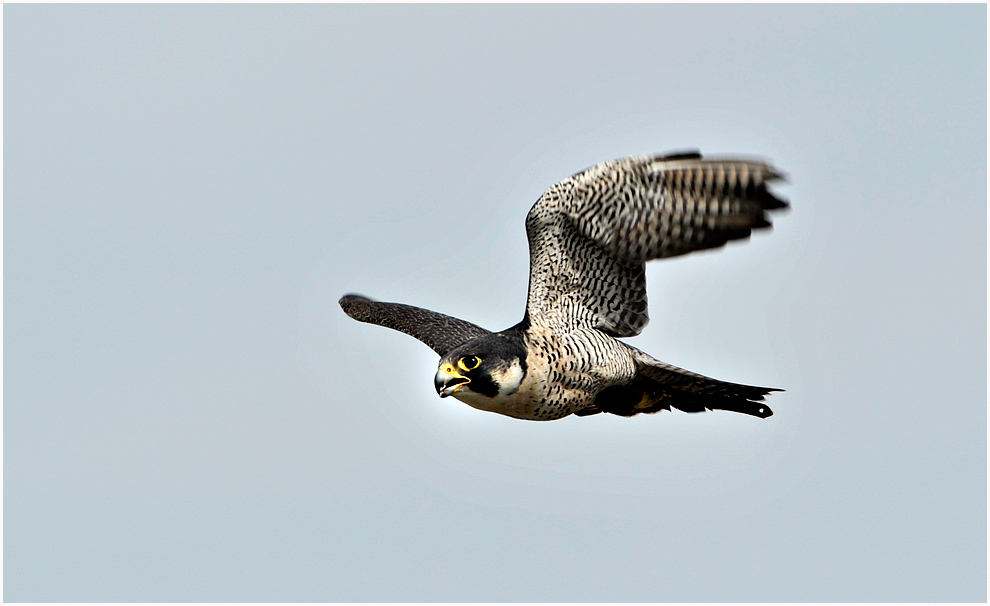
(189, 415)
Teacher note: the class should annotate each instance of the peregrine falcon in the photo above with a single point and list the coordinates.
(590, 236)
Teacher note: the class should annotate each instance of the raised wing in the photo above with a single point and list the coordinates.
(590, 235)
(442, 333)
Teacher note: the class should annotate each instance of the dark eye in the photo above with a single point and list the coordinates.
(469, 362)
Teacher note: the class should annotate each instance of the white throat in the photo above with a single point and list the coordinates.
(509, 379)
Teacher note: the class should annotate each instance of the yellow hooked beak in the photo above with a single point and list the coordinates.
(448, 379)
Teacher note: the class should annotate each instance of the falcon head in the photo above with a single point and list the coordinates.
(482, 370)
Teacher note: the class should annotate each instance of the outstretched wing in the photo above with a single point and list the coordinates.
(442, 333)
(590, 235)
(661, 386)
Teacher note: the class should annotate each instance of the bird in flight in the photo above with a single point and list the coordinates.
(590, 236)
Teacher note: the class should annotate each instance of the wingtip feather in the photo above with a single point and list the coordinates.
(356, 306)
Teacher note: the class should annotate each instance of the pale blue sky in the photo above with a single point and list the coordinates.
(188, 415)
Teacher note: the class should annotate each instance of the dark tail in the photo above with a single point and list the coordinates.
(661, 386)
(645, 395)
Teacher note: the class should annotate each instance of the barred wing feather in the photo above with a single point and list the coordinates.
(591, 234)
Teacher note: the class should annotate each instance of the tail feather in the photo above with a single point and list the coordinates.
(660, 386)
